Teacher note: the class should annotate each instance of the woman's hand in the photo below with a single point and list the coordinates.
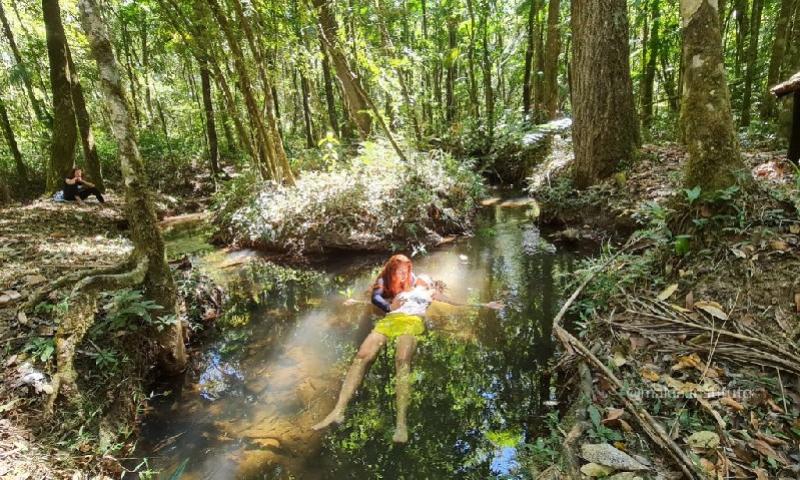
(352, 301)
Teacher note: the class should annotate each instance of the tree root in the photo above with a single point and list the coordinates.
(40, 294)
(648, 424)
(79, 319)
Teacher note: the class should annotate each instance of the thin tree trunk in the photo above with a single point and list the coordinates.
(553, 50)
(41, 113)
(11, 141)
(148, 243)
(307, 120)
(93, 167)
(208, 109)
(356, 104)
(450, 66)
(648, 79)
(776, 58)
(605, 128)
(527, 71)
(706, 120)
(473, 82)
(488, 90)
(65, 134)
(274, 144)
(538, 81)
(330, 100)
(752, 61)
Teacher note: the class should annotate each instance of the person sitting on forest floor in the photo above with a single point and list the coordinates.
(404, 323)
(77, 189)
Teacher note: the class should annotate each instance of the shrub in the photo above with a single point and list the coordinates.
(373, 202)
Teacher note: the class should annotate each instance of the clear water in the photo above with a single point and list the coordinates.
(480, 381)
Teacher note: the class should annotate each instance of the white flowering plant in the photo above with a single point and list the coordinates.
(375, 201)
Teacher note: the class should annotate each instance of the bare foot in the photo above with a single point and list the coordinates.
(335, 416)
(400, 434)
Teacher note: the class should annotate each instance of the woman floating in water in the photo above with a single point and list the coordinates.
(404, 323)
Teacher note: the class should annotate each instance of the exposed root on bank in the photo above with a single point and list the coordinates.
(749, 347)
(654, 430)
(79, 319)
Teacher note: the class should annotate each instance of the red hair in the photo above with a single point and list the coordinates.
(392, 283)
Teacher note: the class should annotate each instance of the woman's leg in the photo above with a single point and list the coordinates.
(85, 192)
(366, 355)
(406, 344)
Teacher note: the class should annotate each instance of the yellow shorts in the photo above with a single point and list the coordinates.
(396, 324)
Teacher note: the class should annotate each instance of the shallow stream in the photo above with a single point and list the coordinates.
(480, 383)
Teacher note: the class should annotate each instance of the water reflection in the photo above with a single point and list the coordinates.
(478, 386)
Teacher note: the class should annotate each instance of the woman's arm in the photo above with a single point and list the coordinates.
(379, 301)
(71, 181)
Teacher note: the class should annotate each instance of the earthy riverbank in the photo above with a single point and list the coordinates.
(697, 317)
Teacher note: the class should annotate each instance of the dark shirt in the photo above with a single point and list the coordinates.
(71, 191)
(382, 302)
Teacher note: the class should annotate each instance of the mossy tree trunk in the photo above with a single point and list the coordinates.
(65, 133)
(706, 119)
(648, 78)
(140, 212)
(605, 128)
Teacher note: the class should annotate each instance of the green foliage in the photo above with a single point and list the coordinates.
(40, 348)
(599, 432)
(375, 201)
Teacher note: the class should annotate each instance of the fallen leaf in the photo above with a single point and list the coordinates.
(667, 292)
(794, 228)
(779, 245)
(761, 474)
(687, 361)
(731, 403)
(648, 374)
(738, 253)
(774, 406)
(638, 342)
(33, 280)
(771, 439)
(626, 427)
(22, 318)
(712, 308)
(619, 359)
(703, 439)
(689, 300)
(613, 417)
(678, 308)
(766, 450)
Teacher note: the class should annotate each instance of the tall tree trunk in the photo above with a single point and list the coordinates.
(148, 243)
(330, 99)
(776, 58)
(274, 144)
(11, 141)
(450, 61)
(742, 34)
(65, 133)
(307, 120)
(267, 166)
(648, 79)
(527, 69)
(356, 103)
(706, 119)
(668, 80)
(208, 109)
(538, 79)
(553, 50)
(605, 128)
(473, 82)
(41, 113)
(752, 61)
(488, 89)
(93, 167)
